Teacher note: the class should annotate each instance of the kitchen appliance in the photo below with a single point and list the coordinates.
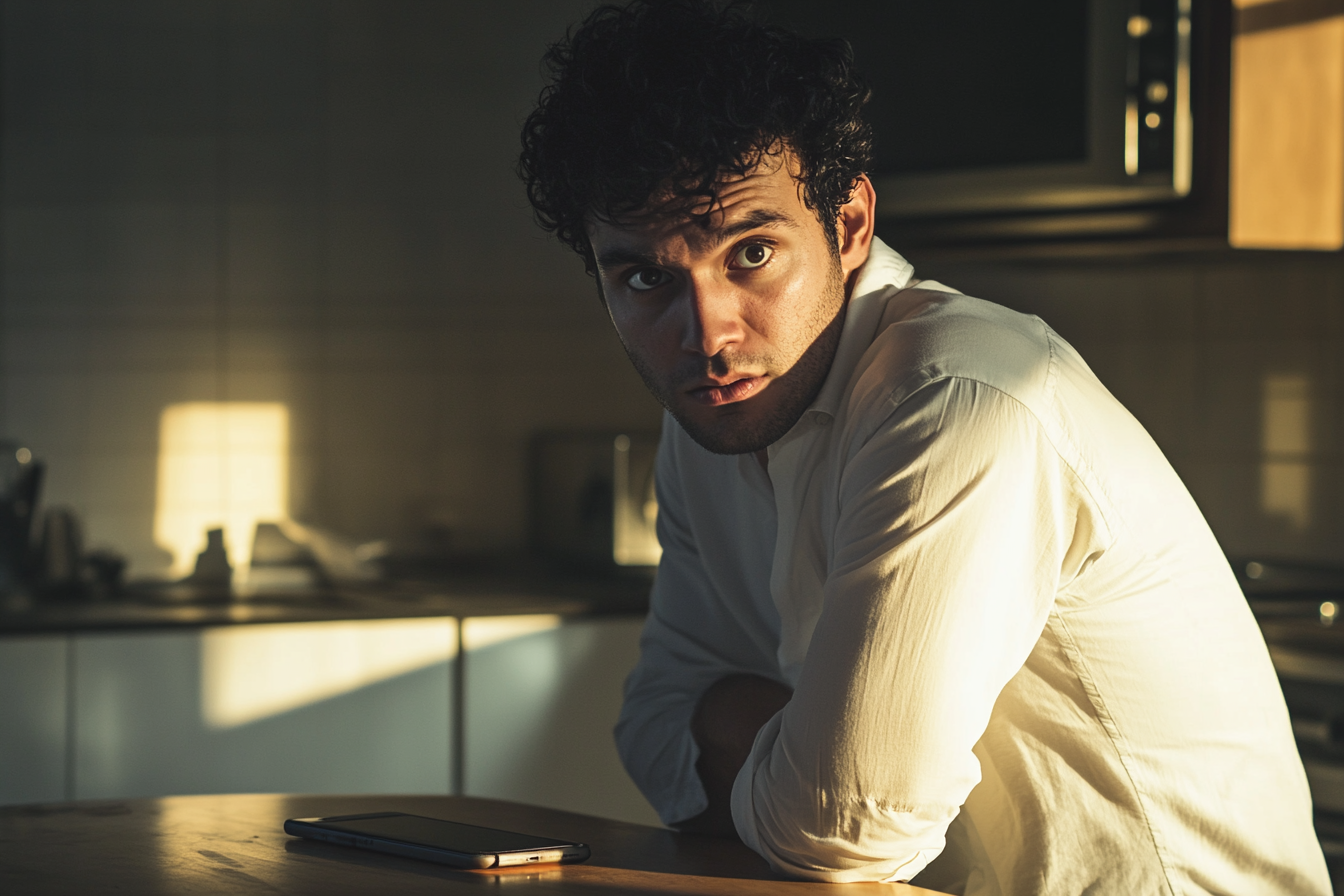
(1298, 607)
(1014, 119)
(60, 566)
(593, 501)
(20, 480)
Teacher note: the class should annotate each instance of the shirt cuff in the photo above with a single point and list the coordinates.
(743, 803)
(823, 865)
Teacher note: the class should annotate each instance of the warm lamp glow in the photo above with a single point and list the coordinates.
(221, 465)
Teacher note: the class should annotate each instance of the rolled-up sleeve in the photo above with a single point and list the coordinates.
(955, 519)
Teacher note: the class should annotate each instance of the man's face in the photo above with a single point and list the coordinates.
(731, 318)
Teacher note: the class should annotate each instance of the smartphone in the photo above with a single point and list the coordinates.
(436, 840)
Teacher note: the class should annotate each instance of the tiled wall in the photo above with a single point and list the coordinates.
(313, 202)
(305, 202)
(1192, 346)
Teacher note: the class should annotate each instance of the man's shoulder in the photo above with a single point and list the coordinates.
(928, 333)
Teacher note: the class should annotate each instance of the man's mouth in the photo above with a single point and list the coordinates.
(737, 390)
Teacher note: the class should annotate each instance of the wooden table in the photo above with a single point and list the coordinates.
(234, 844)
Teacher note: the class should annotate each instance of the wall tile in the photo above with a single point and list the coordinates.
(314, 203)
(388, 345)
(1231, 405)
(119, 482)
(1088, 303)
(47, 411)
(1157, 380)
(1273, 297)
(100, 263)
(53, 347)
(125, 407)
(276, 258)
(292, 347)
(65, 480)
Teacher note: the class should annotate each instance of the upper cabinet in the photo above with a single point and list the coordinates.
(1287, 183)
(1168, 124)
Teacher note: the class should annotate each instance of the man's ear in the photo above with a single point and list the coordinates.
(854, 227)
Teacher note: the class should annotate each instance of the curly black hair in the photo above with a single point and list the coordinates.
(668, 96)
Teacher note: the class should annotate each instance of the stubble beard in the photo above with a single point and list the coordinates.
(732, 429)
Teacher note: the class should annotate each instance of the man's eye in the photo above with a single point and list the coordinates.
(752, 255)
(646, 278)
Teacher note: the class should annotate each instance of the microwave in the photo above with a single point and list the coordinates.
(1014, 119)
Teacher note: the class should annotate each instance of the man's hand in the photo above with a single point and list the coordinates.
(724, 726)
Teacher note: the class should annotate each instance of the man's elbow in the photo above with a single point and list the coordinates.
(855, 843)
(841, 861)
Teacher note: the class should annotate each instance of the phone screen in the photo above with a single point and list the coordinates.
(434, 832)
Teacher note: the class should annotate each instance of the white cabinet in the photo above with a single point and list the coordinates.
(330, 707)
(33, 719)
(541, 699)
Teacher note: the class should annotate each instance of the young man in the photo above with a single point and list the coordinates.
(931, 601)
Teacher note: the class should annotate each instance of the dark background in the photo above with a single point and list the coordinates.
(1009, 86)
(313, 202)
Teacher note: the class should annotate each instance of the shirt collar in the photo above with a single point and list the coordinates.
(884, 271)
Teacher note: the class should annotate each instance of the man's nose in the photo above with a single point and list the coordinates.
(715, 311)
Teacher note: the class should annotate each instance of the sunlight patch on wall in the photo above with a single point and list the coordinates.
(221, 465)
(1285, 470)
(249, 673)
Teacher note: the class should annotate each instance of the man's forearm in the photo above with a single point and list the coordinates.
(725, 723)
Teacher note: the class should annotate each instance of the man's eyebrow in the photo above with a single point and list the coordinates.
(760, 217)
(617, 257)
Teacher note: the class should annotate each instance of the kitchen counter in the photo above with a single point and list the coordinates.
(520, 591)
(436, 682)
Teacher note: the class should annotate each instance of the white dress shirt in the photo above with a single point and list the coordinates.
(1016, 650)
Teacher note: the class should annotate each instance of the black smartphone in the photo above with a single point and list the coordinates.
(436, 840)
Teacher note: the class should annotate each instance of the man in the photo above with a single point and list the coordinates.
(931, 602)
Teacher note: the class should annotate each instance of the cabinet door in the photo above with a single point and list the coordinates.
(541, 699)
(32, 719)
(333, 707)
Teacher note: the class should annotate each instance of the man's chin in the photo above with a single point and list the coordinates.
(731, 430)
